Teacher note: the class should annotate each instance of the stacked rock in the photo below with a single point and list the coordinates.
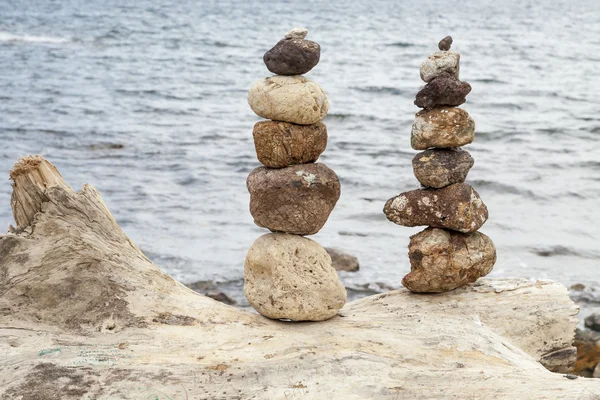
(450, 253)
(287, 276)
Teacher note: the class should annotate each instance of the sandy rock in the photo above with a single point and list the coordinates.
(292, 99)
(445, 43)
(439, 62)
(280, 144)
(297, 199)
(443, 90)
(442, 260)
(291, 277)
(342, 261)
(456, 207)
(438, 168)
(442, 127)
(593, 322)
(293, 55)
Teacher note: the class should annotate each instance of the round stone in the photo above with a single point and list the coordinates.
(281, 144)
(292, 55)
(457, 207)
(442, 127)
(445, 43)
(440, 62)
(442, 260)
(443, 90)
(296, 199)
(438, 168)
(291, 277)
(292, 99)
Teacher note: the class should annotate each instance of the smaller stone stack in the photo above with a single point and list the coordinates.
(450, 253)
(287, 276)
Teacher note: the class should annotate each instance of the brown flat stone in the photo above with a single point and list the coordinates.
(442, 127)
(438, 168)
(443, 90)
(292, 56)
(457, 207)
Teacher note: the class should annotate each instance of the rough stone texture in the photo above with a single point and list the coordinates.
(292, 99)
(440, 62)
(187, 346)
(588, 352)
(292, 56)
(442, 127)
(342, 261)
(291, 277)
(280, 144)
(456, 207)
(297, 33)
(442, 260)
(296, 199)
(593, 322)
(445, 43)
(438, 168)
(443, 90)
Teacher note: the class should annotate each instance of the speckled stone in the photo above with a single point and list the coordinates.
(293, 55)
(442, 260)
(442, 127)
(440, 62)
(296, 199)
(457, 207)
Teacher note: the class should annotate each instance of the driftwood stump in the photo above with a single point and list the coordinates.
(85, 315)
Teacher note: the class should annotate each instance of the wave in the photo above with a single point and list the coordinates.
(378, 89)
(400, 44)
(9, 37)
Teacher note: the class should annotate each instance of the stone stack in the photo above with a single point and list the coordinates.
(287, 276)
(450, 253)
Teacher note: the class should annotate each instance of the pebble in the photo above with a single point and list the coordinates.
(296, 199)
(445, 43)
(442, 127)
(438, 168)
(293, 55)
(291, 277)
(292, 99)
(281, 144)
(443, 90)
(442, 260)
(457, 207)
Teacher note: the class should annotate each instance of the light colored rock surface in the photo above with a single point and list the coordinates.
(342, 261)
(443, 260)
(292, 99)
(291, 277)
(297, 33)
(438, 62)
(85, 315)
(442, 127)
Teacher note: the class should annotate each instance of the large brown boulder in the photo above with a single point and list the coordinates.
(438, 168)
(457, 207)
(443, 90)
(293, 55)
(442, 260)
(442, 127)
(291, 277)
(296, 199)
(281, 144)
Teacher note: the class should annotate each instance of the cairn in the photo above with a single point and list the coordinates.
(450, 253)
(287, 276)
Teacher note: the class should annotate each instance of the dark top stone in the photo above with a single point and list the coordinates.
(445, 43)
(443, 90)
(292, 56)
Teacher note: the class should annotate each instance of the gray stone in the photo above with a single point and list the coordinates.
(342, 261)
(440, 62)
(438, 168)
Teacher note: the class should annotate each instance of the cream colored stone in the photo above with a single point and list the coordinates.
(292, 99)
(438, 62)
(297, 33)
(291, 277)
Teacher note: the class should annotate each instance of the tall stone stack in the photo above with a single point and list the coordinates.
(451, 252)
(287, 276)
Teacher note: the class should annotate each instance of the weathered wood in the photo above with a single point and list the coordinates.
(85, 315)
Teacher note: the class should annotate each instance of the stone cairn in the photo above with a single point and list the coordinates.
(450, 253)
(287, 276)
